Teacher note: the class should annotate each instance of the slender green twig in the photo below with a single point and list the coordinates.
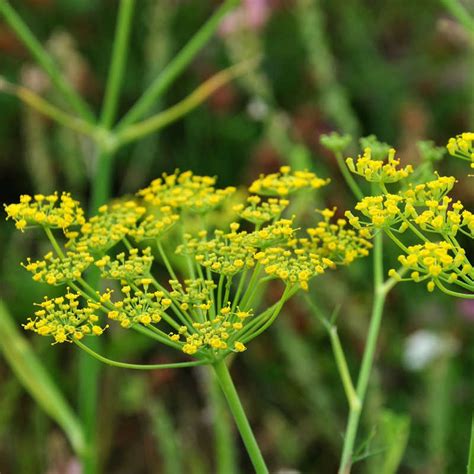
(49, 110)
(340, 358)
(176, 66)
(134, 132)
(233, 400)
(117, 66)
(351, 182)
(44, 60)
(125, 365)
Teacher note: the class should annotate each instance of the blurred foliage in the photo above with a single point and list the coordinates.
(401, 70)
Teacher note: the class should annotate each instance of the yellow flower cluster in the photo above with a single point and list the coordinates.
(227, 253)
(63, 319)
(258, 212)
(156, 224)
(59, 270)
(185, 191)
(382, 211)
(108, 227)
(336, 242)
(126, 267)
(286, 182)
(206, 315)
(49, 211)
(139, 306)
(293, 264)
(462, 147)
(443, 217)
(376, 171)
(195, 294)
(220, 333)
(435, 261)
(434, 190)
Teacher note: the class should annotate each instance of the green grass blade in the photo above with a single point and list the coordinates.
(470, 463)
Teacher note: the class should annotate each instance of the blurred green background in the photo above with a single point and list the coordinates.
(402, 70)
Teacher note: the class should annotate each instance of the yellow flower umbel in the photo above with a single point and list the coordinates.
(376, 171)
(286, 182)
(438, 263)
(462, 147)
(208, 306)
(428, 213)
(64, 319)
(48, 211)
(185, 191)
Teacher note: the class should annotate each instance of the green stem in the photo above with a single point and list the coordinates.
(368, 357)
(222, 428)
(139, 130)
(227, 386)
(102, 182)
(351, 182)
(49, 110)
(117, 65)
(126, 365)
(352, 398)
(470, 462)
(44, 60)
(176, 66)
(53, 242)
(166, 261)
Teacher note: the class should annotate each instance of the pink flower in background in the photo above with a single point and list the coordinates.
(252, 14)
(466, 308)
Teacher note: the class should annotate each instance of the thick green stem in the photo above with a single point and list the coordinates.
(102, 182)
(227, 386)
(44, 60)
(368, 357)
(176, 66)
(117, 65)
(222, 428)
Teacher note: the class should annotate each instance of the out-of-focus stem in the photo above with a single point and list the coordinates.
(227, 386)
(176, 66)
(380, 293)
(117, 65)
(44, 60)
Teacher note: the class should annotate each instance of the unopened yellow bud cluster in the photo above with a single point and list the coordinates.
(462, 147)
